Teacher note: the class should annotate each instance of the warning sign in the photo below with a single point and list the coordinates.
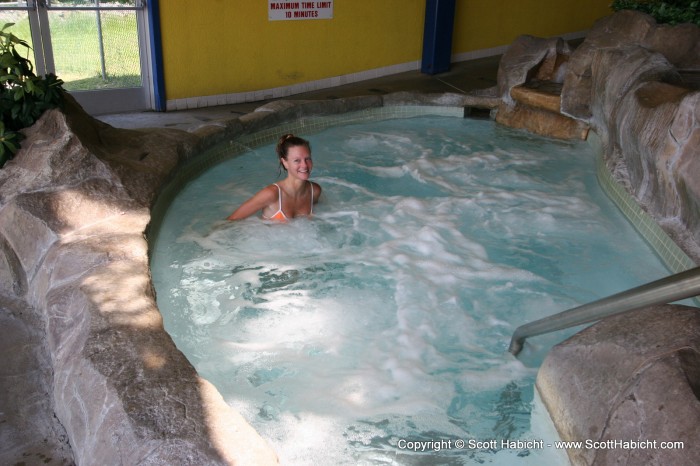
(280, 11)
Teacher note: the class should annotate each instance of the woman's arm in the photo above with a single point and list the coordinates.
(259, 201)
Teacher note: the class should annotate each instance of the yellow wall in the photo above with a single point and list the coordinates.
(483, 24)
(215, 47)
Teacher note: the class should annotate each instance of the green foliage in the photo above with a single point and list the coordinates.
(23, 96)
(664, 11)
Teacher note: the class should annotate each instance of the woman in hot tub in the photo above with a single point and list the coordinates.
(295, 195)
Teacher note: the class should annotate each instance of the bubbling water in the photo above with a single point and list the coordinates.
(386, 317)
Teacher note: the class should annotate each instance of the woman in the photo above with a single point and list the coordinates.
(294, 196)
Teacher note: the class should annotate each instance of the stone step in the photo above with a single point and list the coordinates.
(545, 95)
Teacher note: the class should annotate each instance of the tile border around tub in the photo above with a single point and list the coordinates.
(671, 254)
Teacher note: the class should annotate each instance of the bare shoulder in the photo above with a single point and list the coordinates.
(317, 190)
(270, 192)
(266, 195)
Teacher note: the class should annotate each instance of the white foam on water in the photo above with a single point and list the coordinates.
(387, 315)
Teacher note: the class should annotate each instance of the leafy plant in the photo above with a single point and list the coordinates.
(24, 96)
(663, 11)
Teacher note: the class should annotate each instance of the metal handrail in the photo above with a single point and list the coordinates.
(667, 290)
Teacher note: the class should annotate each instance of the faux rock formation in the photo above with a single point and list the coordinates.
(679, 45)
(530, 77)
(29, 429)
(627, 81)
(74, 204)
(531, 58)
(631, 377)
(632, 82)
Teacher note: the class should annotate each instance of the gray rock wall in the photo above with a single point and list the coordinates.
(74, 205)
(631, 377)
(637, 85)
(629, 81)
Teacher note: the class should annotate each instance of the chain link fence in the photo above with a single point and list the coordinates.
(92, 49)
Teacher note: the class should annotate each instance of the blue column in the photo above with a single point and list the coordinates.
(156, 55)
(437, 36)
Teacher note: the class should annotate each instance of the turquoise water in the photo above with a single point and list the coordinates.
(385, 319)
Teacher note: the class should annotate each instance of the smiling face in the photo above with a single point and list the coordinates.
(298, 162)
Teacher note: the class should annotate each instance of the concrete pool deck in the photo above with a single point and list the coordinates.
(462, 78)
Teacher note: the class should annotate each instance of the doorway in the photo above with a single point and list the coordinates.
(99, 48)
